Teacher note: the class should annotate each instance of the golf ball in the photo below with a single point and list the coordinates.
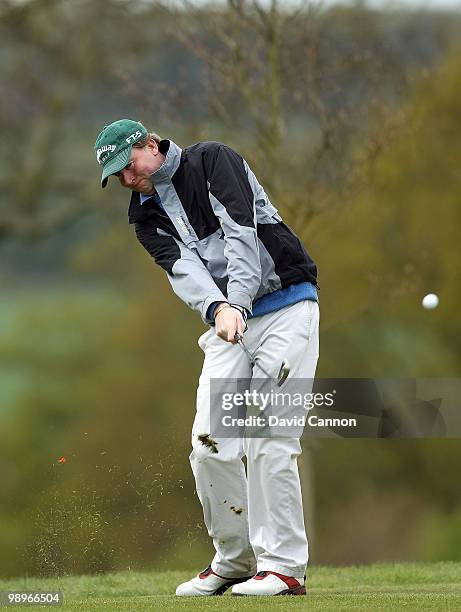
(430, 301)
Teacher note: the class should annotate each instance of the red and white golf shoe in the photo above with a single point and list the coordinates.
(207, 583)
(270, 583)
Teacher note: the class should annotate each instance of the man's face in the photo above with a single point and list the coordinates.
(136, 175)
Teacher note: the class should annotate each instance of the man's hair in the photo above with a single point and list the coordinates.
(149, 138)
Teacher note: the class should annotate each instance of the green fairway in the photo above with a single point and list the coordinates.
(387, 586)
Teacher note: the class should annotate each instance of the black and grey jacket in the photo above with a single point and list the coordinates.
(218, 237)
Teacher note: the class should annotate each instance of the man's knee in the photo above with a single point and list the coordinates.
(276, 450)
(221, 450)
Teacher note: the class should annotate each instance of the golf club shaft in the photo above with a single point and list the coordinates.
(252, 359)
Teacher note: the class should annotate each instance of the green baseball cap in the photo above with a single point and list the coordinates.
(113, 145)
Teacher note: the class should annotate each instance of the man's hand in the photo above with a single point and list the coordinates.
(229, 321)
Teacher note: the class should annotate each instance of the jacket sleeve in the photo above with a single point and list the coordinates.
(186, 272)
(232, 200)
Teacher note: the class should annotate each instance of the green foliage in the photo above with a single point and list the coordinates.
(395, 242)
(104, 390)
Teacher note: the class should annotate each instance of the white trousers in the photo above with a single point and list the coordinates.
(255, 518)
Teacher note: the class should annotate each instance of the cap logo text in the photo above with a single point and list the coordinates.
(132, 137)
(105, 149)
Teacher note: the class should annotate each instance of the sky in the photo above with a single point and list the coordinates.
(406, 4)
(411, 4)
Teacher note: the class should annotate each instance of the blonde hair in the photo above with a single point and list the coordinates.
(152, 136)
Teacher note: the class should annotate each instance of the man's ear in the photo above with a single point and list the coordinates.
(153, 146)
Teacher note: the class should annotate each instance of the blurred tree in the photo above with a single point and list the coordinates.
(306, 81)
(399, 236)
(303, 84)
(45, 67)
(57, 67)
(395, 242)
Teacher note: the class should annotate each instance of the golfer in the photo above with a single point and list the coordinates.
(202, 215)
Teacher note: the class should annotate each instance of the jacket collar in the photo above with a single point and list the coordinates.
(172, 158)
(138, 211)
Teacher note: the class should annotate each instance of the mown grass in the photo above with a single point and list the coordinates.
(384, 586)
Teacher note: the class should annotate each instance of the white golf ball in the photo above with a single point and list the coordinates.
(430, 301)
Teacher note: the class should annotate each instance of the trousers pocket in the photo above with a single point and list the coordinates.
(312, 317)
(203, 339)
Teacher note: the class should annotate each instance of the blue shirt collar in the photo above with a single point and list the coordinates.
(144, 197)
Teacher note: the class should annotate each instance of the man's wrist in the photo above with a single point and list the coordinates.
(220, 307)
